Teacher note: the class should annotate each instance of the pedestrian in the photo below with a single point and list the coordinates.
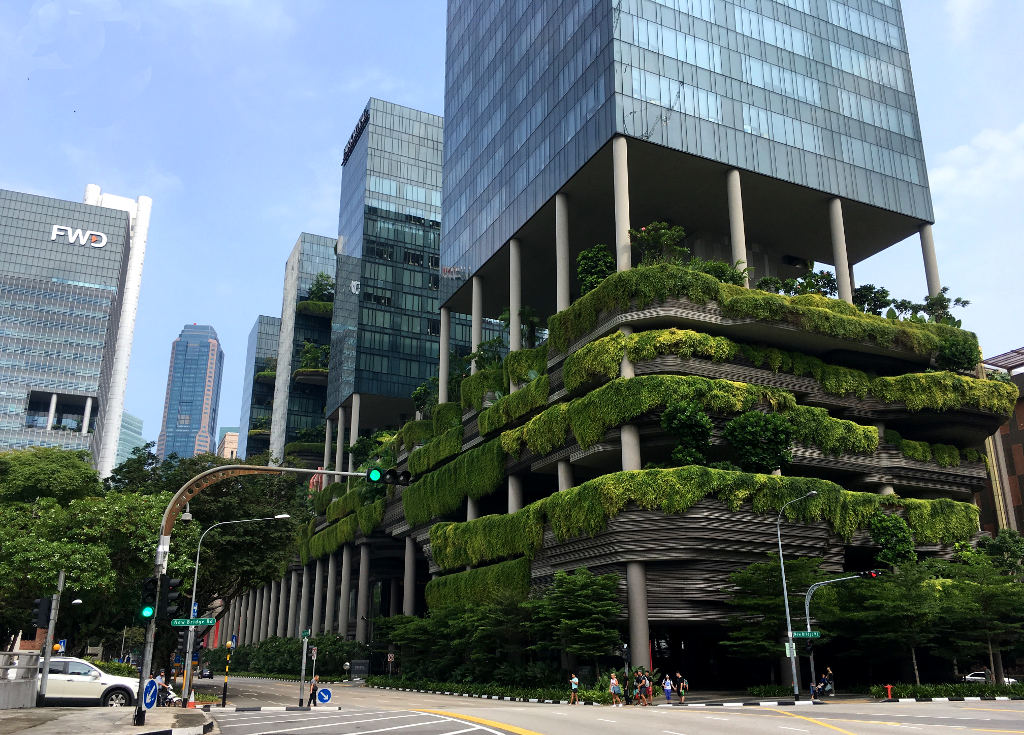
(681, 686)
(574, 684)
(616, 690)
(667, 686)
(638, 690)
(313, 686)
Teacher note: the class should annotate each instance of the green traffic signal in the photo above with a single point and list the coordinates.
(147, 612)
(374, 474)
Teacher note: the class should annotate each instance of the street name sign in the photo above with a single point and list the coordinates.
(185, 622)
(807, 634)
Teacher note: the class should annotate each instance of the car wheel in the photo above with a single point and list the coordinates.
(117, 698)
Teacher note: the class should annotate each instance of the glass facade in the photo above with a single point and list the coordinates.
(258, 386)
(816, 93)
(62, 271)
(129, 438)
(193, 393)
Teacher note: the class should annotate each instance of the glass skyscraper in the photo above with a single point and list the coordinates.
(130, 437)
(63, 268)
(189, 424)
(258, 386)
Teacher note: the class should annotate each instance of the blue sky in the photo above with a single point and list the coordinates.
(232, 114)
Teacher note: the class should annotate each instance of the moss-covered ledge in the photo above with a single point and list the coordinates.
(584, 511)
(365, 519)
(640, 287)
(433, 453)
(510, 579)
(508, 408)
(472, 474)
(320, 309)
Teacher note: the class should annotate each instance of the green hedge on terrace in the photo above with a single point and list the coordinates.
(945, 455)
(365, 519)
(483, 585)
(476, 386)
(304, 448)
(344, 505)
(473, 474)
(646, 285)
(322, 309)
(584, 511)
(520, 363)
(432, 454)
(415, 432)
(446, 416)
(936, 391)
(323, 499)
(508, 408)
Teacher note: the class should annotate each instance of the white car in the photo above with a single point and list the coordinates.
(75, 679)
(979, 676)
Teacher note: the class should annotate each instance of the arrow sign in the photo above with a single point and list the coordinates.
(185, 622)
(807, 634)
(149, 694)
(323, 696)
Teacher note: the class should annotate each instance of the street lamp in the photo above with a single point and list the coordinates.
(791, 646)
(186, 687)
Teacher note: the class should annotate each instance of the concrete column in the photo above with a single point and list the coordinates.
(331, 598)
(476, 332)
(620, 183)
(282, 608)
(318, 597)
(626, 367)
(841, 262)
(515, 493)
(250, 618)
(639, 635)
(52, 413)
(243, 620)
(87, 415)
(236, 625)
(393, 589)
(307, 583)
(472, 509)
(261, 608)
(629, 438)
(444, 351)
(293, 605)
(268, 611)
(339, 448)
(353, 432)
(853, 283)
(363, 595)
(345, 591)
(931, 266)
(225, 626)
(275, 594)
(515, 296)
(409, 581)
(737, 233)
(564, 475)
(561, 253)
(328, 438)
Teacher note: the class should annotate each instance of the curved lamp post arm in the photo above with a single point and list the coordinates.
(785, 594)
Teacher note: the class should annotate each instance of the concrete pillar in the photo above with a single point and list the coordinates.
(282, 608)
(331, 594)
(52, 413)
(339, 448)
(307, 583)
(839, 259)
(515, 493)
(275, 593)
(409, 581)
(853, 283)
(243, 620)
(363, 595)
(931, 266)
(629, 438)
(886, 489)
(353, 432)
(224, 627)
(250, 618)
(293, 605)
(639, 635)
(472, 509)
(737, 233)
(476, 331)
(261, 608)
(620, 183)
(564, 475)
(268, 611)
(444, 351)
(345, 590)
(393, 591)
(515, 296)
(87, 415)
(561, 253)
(327, 445)
(626, 366)
(318, 598)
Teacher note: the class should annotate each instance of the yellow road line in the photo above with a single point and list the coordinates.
(480, 721)
(992, 709)
(816, 722)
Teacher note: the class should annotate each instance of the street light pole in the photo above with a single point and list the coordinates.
(791, 647)
(187, 684)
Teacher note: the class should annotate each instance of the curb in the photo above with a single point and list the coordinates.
(296, 681)
(783, 703)
(196, 730)
(904, 700)
(215, 709)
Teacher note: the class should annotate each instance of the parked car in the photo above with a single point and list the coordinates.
(979, 676)
(72, 679)
(205, 674)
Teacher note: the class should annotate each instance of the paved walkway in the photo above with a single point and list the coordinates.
(96, 720)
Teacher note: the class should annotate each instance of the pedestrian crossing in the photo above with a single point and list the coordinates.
(340, 721)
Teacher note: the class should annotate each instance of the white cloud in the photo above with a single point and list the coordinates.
(980, 178)
(963, 16)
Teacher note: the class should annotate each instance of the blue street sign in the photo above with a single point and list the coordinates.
(234, 641)
(195, 609)
(63, 643)
(323, 696)
(149, 694)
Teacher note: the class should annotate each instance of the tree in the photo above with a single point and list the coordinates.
(760, 441)
(133, 475)
(322, 288)
(820, 282)
(1006, 551)
(659, 242)
(530, 325)
(692, 427)
(872, 299)
(892, 533)
(593, 265)
(37, 472)
(314, 356)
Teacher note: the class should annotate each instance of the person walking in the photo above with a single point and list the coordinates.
(616, 690)
(574, 684)
(666, 684)
(681, 687)
(314, 684)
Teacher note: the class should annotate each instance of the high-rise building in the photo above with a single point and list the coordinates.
(227, 445)
(193, 393)
(130, 437)
(69, 283)
(303, 354)
(1003, 507)
(258, 386)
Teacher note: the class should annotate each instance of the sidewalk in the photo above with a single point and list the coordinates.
(103, 721)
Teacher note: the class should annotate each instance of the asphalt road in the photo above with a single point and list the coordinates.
(371, 710)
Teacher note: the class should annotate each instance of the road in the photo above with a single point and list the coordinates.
(376, 711)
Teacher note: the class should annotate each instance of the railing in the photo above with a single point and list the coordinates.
(19, 672)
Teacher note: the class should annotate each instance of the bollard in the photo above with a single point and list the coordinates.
(888, 691)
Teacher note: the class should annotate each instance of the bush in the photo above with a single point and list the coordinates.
(447, 416)
(473, 474)
(962, 689)
(760, 441)
(770, 691)
(692, 427)
(281, 657)
(508, 408)
(321, 309)
(114, 667)
(593, 265)
(480, 586)
(480, 689)
(522, 366)
(476, 386)
(430, 455)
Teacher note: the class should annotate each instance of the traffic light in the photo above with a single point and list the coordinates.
(870, 574)
(169, 594)
(41, 611)
(182, 639)
(374, 474)
(148, 607)
(389, 477)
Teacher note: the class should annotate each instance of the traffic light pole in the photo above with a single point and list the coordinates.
(186, 493)
(807, 607)
(48, 643)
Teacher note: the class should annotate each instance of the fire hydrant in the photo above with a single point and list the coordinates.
(888, 691)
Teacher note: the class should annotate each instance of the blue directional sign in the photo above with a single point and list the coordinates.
(234, 641)
(149, 694)
(63, 643)
(323, 696)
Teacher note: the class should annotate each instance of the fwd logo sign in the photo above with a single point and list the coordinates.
(88, 237)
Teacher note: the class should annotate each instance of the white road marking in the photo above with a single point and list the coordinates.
(669, 732)
(604, 720)
(433, 721)
(796, 729)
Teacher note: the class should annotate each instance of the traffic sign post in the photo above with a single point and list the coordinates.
(302, 669)
(790, 649)
(807, 634)
(149, 694)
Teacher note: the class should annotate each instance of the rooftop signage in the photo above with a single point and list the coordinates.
(87, 237)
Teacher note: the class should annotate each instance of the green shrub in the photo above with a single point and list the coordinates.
(114, 667)
(415, 432)
(508, 408)
(472, 688)
(447, 416)
(322, 309)
(343, 506)
(473, 474)
(962, 689)
(943, 454)
(760, 441)
(487, 538)
(430, 455)
(522, 366)
(304, 448)
(593, 265)
(509, 579)
(813, 427)
(476, 386)
(370, 516)
(322, 499)
(692, 427)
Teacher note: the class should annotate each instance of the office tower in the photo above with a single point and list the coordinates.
(258, 386)
(129, 438)
(189, 425)
(70, 275)
(227, 444)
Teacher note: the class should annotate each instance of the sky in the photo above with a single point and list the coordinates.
(232, 115)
